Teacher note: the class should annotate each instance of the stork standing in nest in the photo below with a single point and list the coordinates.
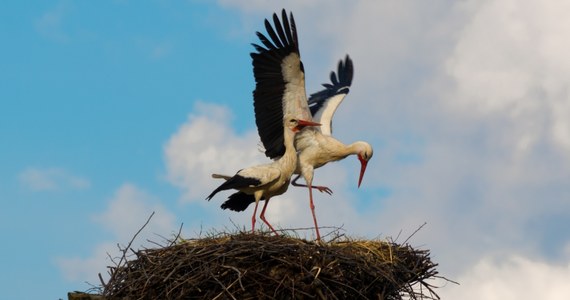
(317, 147)
(266, 181)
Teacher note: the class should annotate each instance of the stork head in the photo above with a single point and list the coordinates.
(364, 153)
(297, 125)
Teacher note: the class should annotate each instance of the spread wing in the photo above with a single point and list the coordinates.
(279, 82)
(324, 103)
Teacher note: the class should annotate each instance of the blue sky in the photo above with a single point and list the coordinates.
(92, 91)
(112, 110)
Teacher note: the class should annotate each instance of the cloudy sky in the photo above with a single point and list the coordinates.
(112, 110)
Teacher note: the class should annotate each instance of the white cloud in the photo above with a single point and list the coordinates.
(127, 212)
(266, 6)
(51, 179)
(129, 208)
(510, 59)
(86, 269)
(206, 144)
(511, 277)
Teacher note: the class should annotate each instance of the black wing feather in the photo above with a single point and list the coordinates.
(269, 81)
(272, 34)
(288, 33)
(339, 85)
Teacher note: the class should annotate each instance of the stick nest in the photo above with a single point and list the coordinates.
(263, 266)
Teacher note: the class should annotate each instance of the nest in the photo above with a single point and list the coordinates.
(263, 266)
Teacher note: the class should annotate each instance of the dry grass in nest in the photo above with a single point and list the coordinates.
(263, 266)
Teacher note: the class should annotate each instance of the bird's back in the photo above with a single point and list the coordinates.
(317, 149)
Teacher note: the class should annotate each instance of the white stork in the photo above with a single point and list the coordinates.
(268, 180)
(280, 79)
(323, 105)
(317, 147)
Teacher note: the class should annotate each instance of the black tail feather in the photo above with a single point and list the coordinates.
(238, 201)
(236, 182)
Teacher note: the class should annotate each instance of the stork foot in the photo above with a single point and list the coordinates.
(269, 225)
(323, 189)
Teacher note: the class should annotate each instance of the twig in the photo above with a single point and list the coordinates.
(177, 237)
(124, 256)
(223, 286)
(239, 275)
(102, 281)
(413, 233)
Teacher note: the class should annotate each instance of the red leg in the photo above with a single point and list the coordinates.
(262, 217)
(253, 217)
(312, 205)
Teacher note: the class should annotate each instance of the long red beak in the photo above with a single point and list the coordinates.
(308, 123)
(303, 124)
(363, 164)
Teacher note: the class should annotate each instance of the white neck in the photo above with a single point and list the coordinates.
(288, 161)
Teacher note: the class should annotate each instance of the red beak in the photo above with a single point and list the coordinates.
(363, 164)
(303, 124)
(308, 123)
